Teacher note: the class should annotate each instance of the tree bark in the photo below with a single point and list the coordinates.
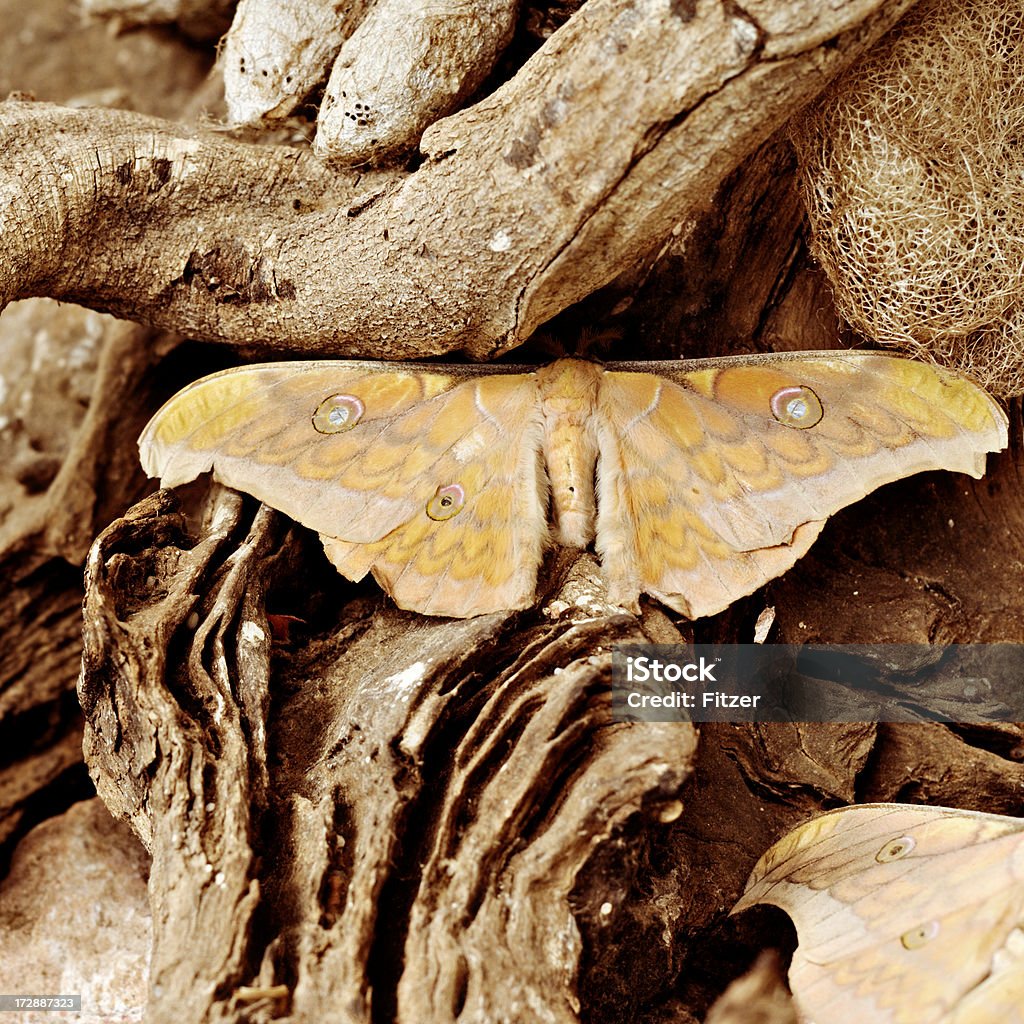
(421, 827)
(514, 214)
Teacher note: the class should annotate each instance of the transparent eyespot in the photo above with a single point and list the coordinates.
(796, 407)
(447, 502)
(920, 936)
(338, 413)
(895, 849)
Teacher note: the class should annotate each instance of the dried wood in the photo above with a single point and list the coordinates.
(513, 216)
(434, 791)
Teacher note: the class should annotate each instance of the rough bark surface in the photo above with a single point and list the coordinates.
(74, 385)
(430, 804)
(513, 215)
(355, 814)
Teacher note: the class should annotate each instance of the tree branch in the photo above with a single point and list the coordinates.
(515, 214)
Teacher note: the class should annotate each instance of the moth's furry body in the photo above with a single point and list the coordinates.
(568, 395)
(697, 481)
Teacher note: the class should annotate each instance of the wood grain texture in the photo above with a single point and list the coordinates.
(361, 869)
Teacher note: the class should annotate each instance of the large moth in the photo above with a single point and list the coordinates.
(696, 481)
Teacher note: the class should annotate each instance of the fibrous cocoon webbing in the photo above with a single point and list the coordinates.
(913, 169)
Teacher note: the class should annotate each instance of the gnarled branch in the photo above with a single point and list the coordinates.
(514, 215)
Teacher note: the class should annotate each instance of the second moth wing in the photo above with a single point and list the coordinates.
(904, 914)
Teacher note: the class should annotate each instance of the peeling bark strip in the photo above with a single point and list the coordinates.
(471, 251)
(177, 747)
(437, 787)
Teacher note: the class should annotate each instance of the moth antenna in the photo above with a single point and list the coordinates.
(547, 345)
(596, 342)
